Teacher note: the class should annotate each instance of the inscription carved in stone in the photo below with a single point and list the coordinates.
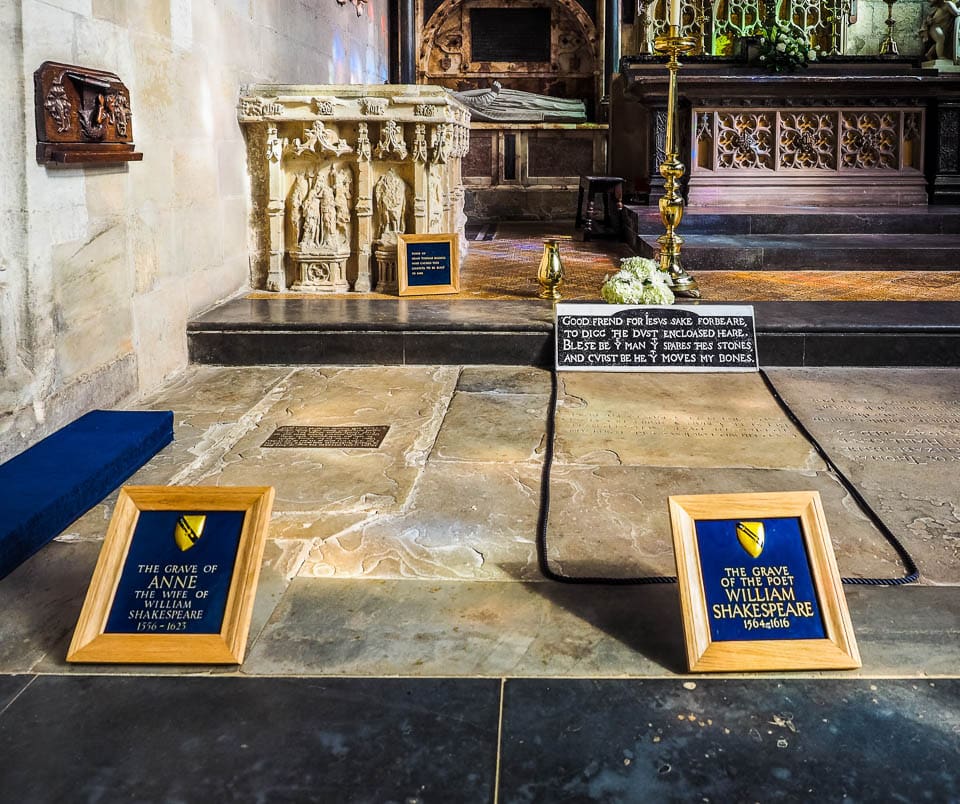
(314, 437)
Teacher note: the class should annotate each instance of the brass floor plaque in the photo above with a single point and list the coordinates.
(311, 437)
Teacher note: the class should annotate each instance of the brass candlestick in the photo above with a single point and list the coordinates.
(888, 46)
(550, 272)
(671, 204)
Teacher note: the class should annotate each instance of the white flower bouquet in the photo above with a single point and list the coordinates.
(784, 49)
(639, 281)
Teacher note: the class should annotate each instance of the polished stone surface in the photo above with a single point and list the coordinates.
(728, 740)
(279, 740)
(896, 435)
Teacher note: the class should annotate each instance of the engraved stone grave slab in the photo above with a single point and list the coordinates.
(676, 420)
(315, 437)
(896, 434)
(612, 521)
(413, 399)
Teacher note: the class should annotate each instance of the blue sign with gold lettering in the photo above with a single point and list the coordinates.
(757, 580)
(429, 264)
(176, 576)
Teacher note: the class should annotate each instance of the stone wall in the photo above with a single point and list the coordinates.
(101, 267)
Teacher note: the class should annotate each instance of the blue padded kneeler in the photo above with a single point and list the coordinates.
(51, 484)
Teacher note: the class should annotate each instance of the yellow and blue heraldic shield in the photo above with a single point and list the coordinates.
(750, 536)
(188, 530)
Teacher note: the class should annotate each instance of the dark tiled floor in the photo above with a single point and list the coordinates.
(94, 739)
(730, 740)
(98, 739)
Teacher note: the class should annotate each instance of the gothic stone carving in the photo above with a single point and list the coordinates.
(331, 213)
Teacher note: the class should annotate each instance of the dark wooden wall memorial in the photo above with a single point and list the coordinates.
(83, 116)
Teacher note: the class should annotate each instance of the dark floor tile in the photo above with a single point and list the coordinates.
(731, 740)
(295, 348)
(496, 348)
(780, 350)
(876, 349)
(10, 686)
(272, 740)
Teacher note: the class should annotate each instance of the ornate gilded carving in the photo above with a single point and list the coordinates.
(319, 139)
(869, 140)
(391, 141)
(57, 105)
(808, 140)
(745, 141)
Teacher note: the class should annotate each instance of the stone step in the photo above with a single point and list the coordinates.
(286, 331)
(814, 252)
(933, 220)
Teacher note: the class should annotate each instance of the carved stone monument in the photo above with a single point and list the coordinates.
(338, 172)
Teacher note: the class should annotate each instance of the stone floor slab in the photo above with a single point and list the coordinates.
(41, 602)
(504, 380)
(896, 434)
(411, 400)
(546, 629)
(613, 521)
(493, 427)
(689, 420)
(465, 520)
(229, 739)
(730, 740)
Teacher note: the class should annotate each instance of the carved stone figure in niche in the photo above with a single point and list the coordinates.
(319, 211)
(942, 30)
(436, 203)
(298, 194)
(497, 104)
(342, 200)
(390, 198)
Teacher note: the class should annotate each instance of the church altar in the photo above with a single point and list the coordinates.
(844, 132)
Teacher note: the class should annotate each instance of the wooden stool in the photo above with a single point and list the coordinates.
(589, 187)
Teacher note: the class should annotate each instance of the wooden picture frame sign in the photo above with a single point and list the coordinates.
(176, 578)
(428, 264)
(759, 584)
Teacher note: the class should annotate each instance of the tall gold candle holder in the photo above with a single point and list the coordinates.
(671, 204)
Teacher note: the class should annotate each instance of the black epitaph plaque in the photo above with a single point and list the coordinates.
(311, 437)
(610, 337)
(510, 34)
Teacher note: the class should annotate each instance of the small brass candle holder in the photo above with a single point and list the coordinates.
(671, 204)
(888, 45)
(550, 272)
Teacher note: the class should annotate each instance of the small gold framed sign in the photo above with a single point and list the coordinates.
(176, 577)
(759, 584)
(428, 264)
